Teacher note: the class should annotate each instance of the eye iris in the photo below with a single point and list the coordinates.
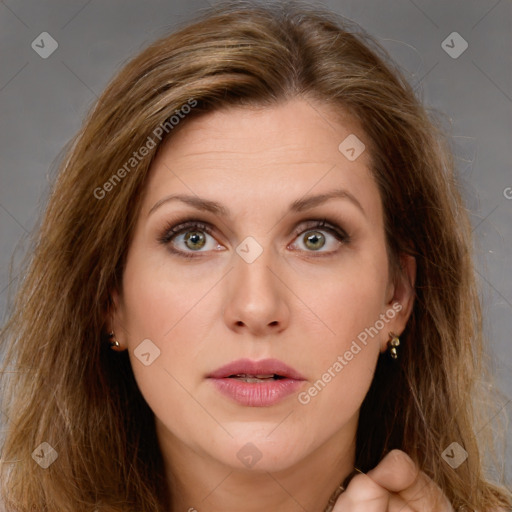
(314, 239)
(195, 237)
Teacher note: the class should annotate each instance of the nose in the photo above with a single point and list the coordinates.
(257, 299)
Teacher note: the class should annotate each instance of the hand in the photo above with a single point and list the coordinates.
(395, 484)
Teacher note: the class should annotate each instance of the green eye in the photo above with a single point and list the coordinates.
(195, 237)
(314, 241)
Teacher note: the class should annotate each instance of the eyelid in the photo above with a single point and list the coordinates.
(320, 224)
(175, 228)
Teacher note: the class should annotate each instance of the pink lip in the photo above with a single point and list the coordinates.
(257, 394)
(263, 367)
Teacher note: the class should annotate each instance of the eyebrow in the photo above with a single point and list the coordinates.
(305, 203)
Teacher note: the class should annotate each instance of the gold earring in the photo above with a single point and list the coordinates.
(114, 344)
(393, 344)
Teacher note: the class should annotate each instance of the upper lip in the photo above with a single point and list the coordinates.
(262, 367)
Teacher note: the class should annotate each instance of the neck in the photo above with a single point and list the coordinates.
(198, 483)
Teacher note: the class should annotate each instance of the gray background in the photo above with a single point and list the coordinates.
(43, 102)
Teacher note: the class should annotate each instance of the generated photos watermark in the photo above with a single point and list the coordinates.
(137, 156)
(305, 397)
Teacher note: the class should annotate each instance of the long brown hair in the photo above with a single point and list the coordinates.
(63, 386)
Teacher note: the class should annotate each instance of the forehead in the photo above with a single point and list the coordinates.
(296, 130)
(266, 155)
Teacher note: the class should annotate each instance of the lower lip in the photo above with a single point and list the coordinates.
(257, 394)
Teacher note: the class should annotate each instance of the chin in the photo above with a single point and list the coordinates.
(257, 450)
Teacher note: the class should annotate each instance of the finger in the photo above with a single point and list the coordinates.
(398, 473)
(363, 494)
(394, 504)
(397, 504)
(426, 496)
(395, 472)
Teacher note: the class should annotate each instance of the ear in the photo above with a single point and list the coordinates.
(400, 297)
(115, 318)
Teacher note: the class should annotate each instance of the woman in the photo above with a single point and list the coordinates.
(263, 223)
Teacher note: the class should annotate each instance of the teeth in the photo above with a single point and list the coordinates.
(269, 376)
(244, 377)
(253, 379)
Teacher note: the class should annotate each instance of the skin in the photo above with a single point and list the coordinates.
(290, 303)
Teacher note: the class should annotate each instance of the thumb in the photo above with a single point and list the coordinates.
(395, 472)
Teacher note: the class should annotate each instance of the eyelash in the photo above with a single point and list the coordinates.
(196, 225)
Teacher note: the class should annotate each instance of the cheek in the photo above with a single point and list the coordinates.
(160, 308)
(342, 370)
(347, 334)
(346, 301)
(160, 303)
(173, 311)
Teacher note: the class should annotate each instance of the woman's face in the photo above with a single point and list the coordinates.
(257, 280)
